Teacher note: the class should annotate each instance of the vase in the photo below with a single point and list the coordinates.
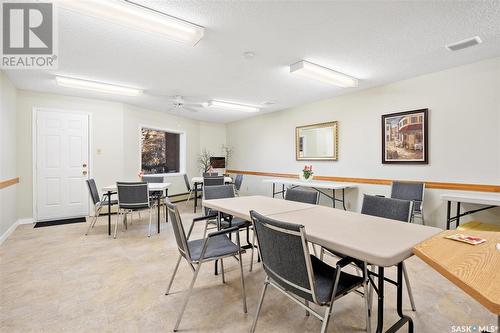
(301, 177)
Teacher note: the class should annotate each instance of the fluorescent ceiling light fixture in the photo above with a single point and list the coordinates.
(232, 106)
(327, 75)
(463, 44)
(132, 15)
(102, 87)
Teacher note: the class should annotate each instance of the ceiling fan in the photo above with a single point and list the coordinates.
(178, 103)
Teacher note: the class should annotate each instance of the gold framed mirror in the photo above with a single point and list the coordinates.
(317, 142)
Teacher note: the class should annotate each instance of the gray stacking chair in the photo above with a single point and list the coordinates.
(238, 180)
(188, 187)
(213, 181)
(216, 246)
(227, 221)
(410, 191)
(133, 197)
(98, 202)
(395, 209)
(155, 180)
(298, 275)
(210, 174)
(305, 196)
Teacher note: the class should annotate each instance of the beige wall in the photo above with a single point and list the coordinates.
(8, 215)
(464, 135)
(115, 140)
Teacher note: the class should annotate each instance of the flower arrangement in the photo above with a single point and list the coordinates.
(307, 172)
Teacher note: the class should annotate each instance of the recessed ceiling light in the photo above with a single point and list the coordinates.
(102, 87)
(232, 106)
(327, 75)
(463, 44)
(132, 15)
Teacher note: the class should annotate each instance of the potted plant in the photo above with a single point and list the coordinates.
(204, 160)
(307, 173)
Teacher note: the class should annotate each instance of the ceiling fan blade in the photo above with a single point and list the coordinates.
(190, 110)
(197, 105)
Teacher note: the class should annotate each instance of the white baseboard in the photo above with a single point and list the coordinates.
(26, 221)
(13, 227)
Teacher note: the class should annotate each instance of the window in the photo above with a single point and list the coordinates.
(160, 151)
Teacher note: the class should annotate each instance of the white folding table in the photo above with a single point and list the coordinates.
(489, 200)
(317, 185)
(198, 183)
(375, 240)
(152, 187)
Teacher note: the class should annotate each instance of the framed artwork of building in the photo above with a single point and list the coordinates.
(405, 137)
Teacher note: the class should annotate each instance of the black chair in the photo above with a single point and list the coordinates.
(298, 275)
(412, 191)
(216, 246)
(188, 187)
(238, 180)
(210, 174)
(213, 181)
(395, 209)
(98, 202)
(133, 197)
(305, 196)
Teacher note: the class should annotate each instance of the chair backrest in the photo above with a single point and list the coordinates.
(305, 196)
(94, 193)
(394, 209)
(133, 195)
(237, 181)
(408, 191)
(179, 233)
(152, 179)
(186, 180)
(213, 181)
(285, 255)
(210, 174)
(218, 192)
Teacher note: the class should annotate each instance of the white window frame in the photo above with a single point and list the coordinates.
(182, 150)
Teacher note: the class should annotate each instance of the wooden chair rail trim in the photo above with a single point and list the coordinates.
(8, 182)
(432, 185)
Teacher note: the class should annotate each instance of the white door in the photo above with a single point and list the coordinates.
(62, 164)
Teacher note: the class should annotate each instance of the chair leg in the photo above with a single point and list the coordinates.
(189, 196)
(93, 221)
(189, 292)
(306, 302)
(370, 292)
(244, 295)
(366, 296)
(408, 287)
(259, 305)
(117, 221)
(222, 270)
(173, 274)
(253, 250)
(326, 318)
(150, 220)
(98, 213)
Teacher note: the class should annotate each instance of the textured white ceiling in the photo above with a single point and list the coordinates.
(377, 42)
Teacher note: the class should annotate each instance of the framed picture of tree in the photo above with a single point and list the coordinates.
(405, 137)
